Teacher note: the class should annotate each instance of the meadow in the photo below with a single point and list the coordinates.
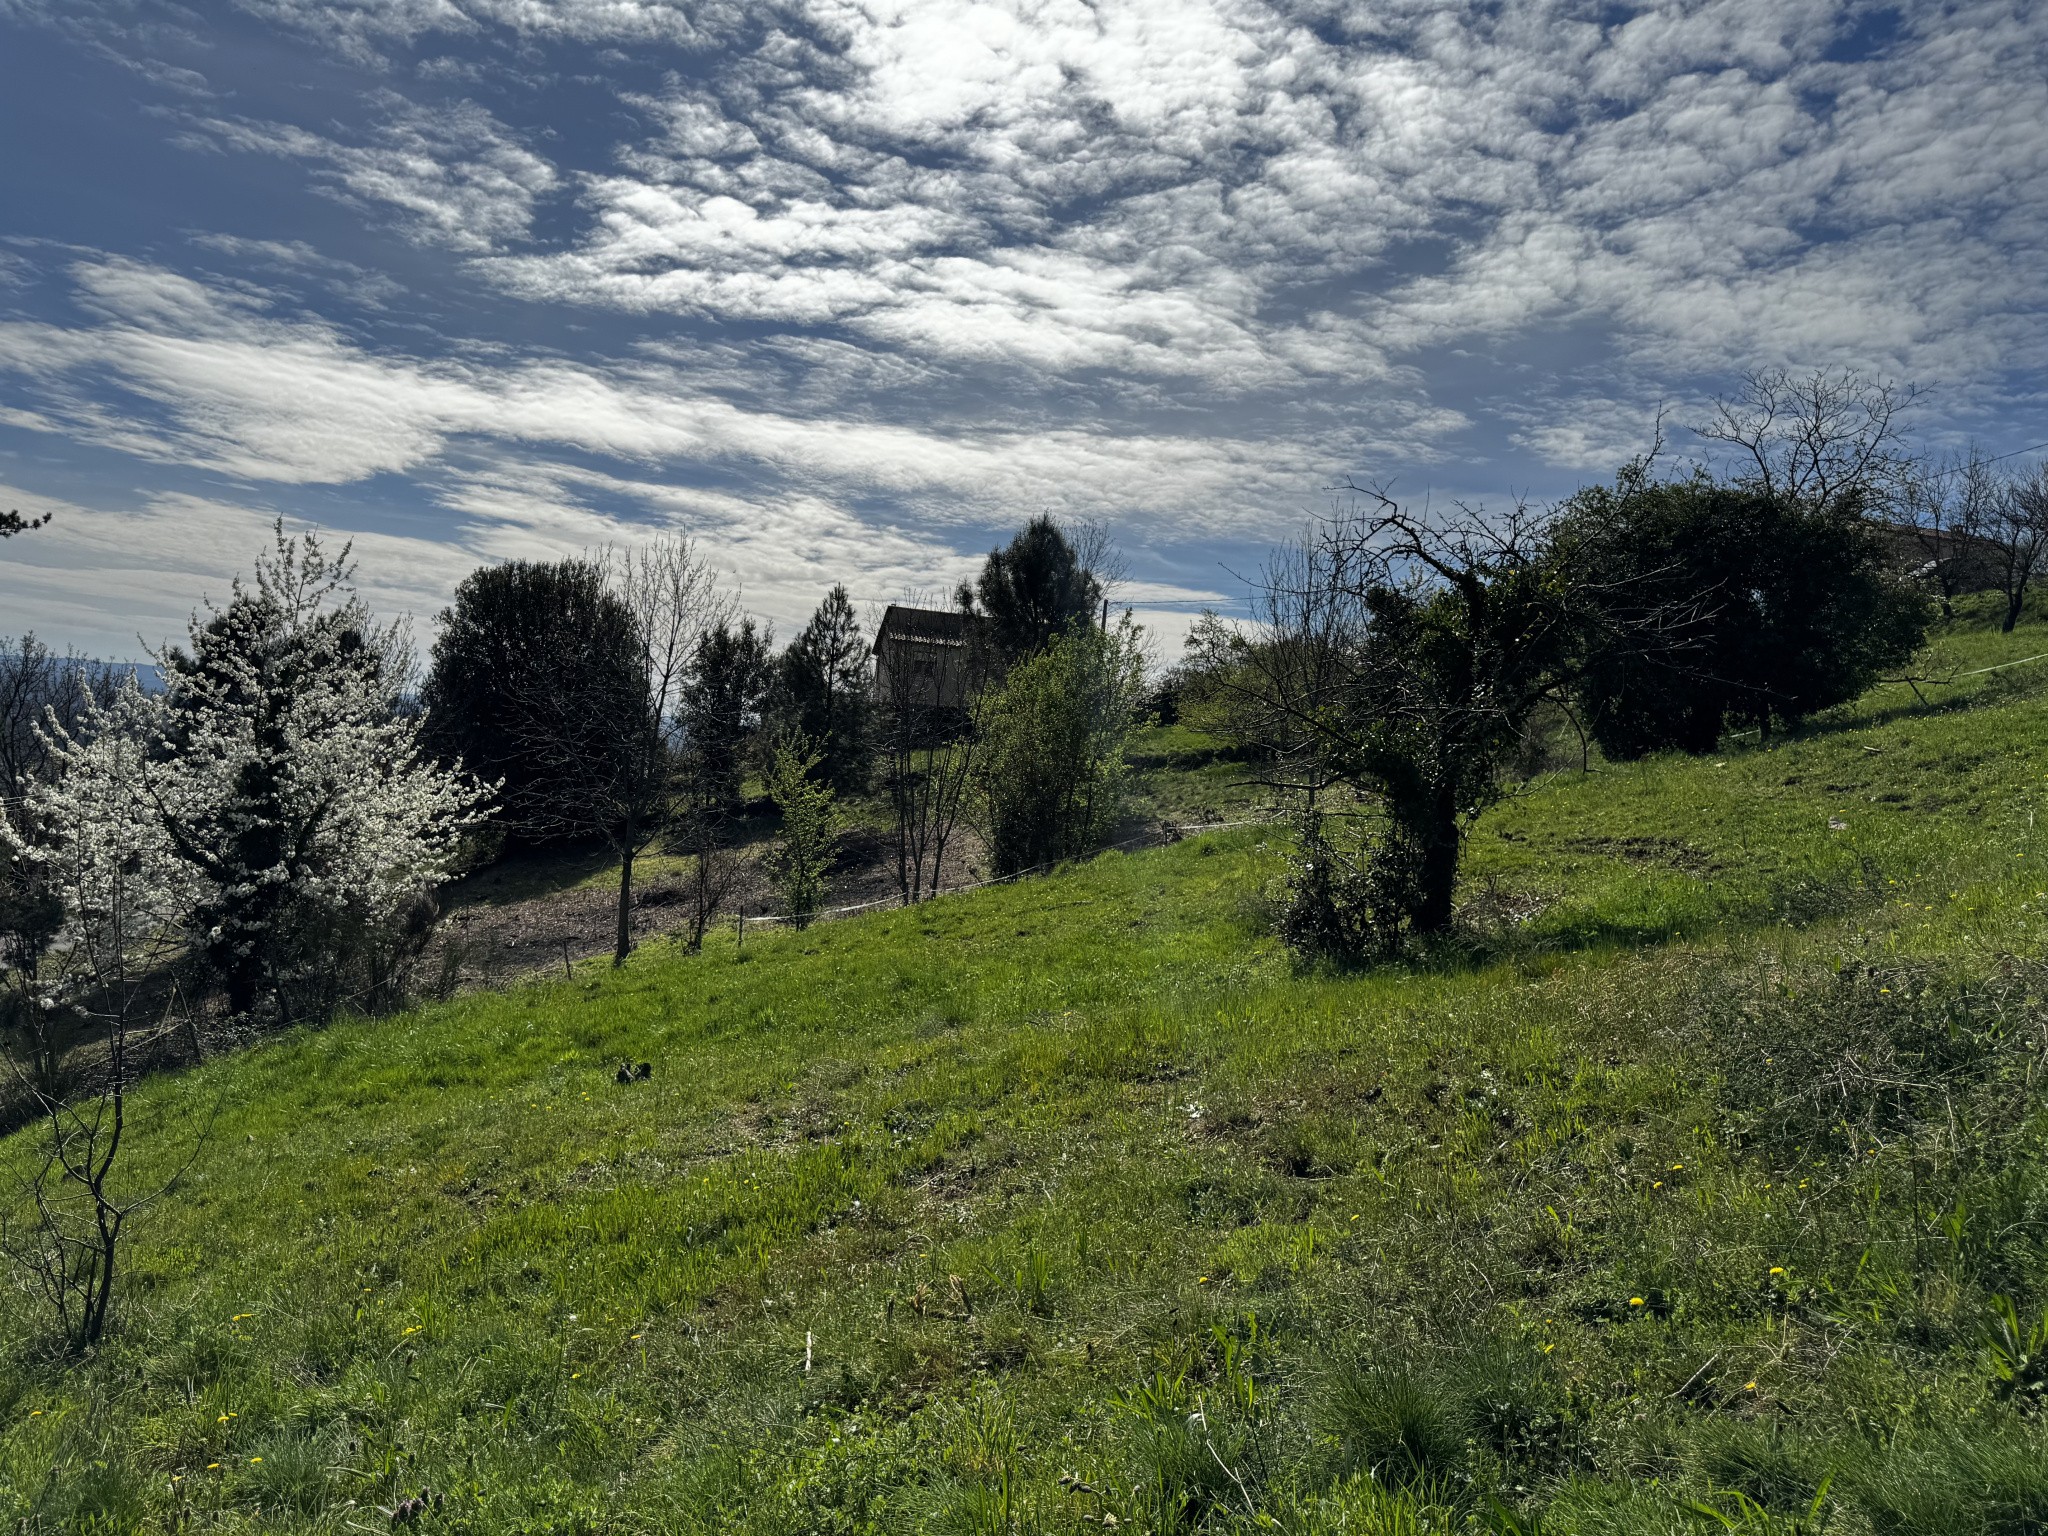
(1699, 1183)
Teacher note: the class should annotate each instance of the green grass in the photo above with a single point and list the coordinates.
(1686, 1177)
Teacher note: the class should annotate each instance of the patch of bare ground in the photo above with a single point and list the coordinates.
(538, 912)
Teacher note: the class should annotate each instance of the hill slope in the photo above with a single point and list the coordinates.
(1698, 1166)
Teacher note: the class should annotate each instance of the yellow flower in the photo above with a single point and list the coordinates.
(255, 1461)
(413, 1329)
(240, 1315)
(1777, 1269)
(1635, 1301)
(1548, 1348)
(1677, 1167)
(1656, 1183)
(213, 1466)
(35, 1413)
(1203, 1281)
(1749, 1386)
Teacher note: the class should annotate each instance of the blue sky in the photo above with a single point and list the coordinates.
(847, 290)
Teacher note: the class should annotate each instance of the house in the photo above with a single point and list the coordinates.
(921, 658)
(1975, 563)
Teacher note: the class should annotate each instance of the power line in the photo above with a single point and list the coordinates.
(2015, 453)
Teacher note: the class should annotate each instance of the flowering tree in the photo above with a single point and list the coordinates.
(88, 841)
(291, 785)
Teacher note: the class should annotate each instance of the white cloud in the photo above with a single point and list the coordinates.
(455, 175)
(117, 581)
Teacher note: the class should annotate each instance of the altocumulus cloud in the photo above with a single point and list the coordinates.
(849, 288)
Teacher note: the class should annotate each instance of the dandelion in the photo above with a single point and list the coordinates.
(1749, 1386)
(1678, 1167)
(240, 1316)
(1203, 1281)
(1548, 1348)
(213, 1466)
(35, 1413)
(1635, 1301)
(1656, 1183)
(639, 1335)
(411, 1330)
(1777, 1269)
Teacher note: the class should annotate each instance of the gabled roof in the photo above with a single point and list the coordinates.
(924, 626)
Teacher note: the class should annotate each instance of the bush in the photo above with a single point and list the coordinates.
(803, 847)
(1716, 605)
(1051, 772)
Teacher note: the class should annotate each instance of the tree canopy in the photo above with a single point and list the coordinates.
(1033, 589)
(1717, 604)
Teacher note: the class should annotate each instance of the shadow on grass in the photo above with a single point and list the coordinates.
(1487, 938)
(528, 874)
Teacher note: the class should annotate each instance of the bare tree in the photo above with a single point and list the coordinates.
(2018, 535)
(1829, 438)
(1948, 506)
(1096, 552)
(931, 715)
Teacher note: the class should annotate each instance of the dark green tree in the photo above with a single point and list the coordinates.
(501, 649)
(1715, 605)
(821, 688)
(12, 523)
(723, 702)
(1034, 589)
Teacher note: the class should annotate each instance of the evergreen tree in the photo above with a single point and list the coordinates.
(1714, 604)
(722, 703)
(822, 691)
(1032, 590)
(519, 641)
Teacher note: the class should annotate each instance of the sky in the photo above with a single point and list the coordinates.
(848, 291)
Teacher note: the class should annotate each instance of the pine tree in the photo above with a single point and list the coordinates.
(822, 688)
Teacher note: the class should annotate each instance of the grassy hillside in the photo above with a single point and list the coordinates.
(1698, 1165)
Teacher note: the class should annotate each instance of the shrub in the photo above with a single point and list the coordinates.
(803, 846)
(1717, 605)
(1051, 771)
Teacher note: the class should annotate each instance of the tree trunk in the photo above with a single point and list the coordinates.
(1439, 876)
(2014, 600)
(623, 946)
